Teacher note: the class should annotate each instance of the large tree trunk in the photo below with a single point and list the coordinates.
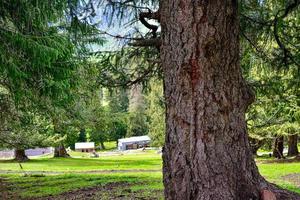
(102, 145)
(278, 147)
(207, 154)
(293, 148)
(20, 155)
(60, 151)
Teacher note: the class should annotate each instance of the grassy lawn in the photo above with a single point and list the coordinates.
(275, 173)
(109, 146)
(146, 185)
(38, 186)
(139, 161)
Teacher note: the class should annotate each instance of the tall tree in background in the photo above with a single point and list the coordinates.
(24, 129)
(275, 111)
(36, 59)
(82, 136)
(293, 145)
(270, 61)
(137, 119)
(156, 113)
(118, 103)
(42, 45)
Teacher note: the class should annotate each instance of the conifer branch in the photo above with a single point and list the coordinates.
(127, 3)
(286, 53)
(153, 42)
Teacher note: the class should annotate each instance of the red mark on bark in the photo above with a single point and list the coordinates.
(182, 122)
(203, 19)
(182, 5)
(194, 72)
(205, 137)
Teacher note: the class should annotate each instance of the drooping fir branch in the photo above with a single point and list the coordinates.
(286, 52)
(127, 67)
(269, 30)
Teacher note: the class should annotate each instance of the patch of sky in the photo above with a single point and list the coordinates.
(117, 24)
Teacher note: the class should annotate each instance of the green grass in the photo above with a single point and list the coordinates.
(55, 184)
(264, 151)
(141, 161)
(145, 184)
(274, 172)
(109, 146)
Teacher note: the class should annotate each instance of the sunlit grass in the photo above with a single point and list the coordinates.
(274, 172)
(109, 146)
(56, 184)
(144, 183)
(140, 161)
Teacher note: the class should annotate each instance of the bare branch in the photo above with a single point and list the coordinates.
(120, 36)
(146, 74)
(153, 42)
(127, 4)
(149, 15)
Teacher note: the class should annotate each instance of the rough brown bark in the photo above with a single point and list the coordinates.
(60, 151)
(20, 155)
(278, 147)
(207, 154)
(293, 148)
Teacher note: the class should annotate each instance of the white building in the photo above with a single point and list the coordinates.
(85, 146)
(133, 142)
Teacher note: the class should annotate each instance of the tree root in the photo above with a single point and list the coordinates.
(274, 192)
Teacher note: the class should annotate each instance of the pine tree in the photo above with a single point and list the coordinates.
(206, 97)
(156, 113)
(42, 45)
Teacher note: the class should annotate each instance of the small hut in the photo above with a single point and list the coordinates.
(133, 143)
(85, 146)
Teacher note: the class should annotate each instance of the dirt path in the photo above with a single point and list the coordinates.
(112, 191)
(293, 178)
(87, 193)
(4, 191)
(76, 172)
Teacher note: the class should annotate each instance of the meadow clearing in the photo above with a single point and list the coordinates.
(135, 175)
